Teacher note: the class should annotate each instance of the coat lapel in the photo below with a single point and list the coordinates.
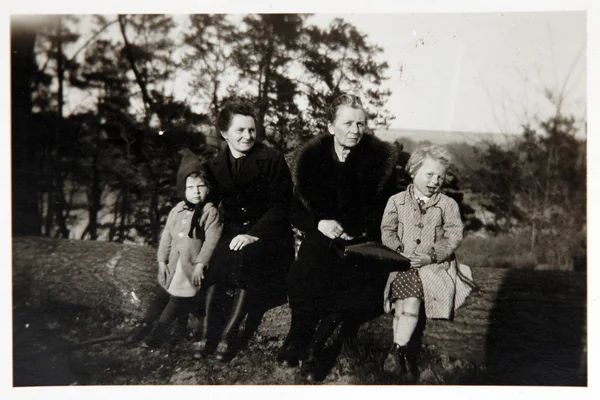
(253, 166)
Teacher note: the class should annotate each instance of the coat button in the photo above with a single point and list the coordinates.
(244, 209)
(246, 223)
(180, 234)
(420, 225)
(418, 241)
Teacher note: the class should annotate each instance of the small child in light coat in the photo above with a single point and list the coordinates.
(188, 240)
(425, 226)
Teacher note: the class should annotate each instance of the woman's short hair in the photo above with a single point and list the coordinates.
(345, 99)
(433, 151)
(234, 108)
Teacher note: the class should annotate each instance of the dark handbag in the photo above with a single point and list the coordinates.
(372, 253)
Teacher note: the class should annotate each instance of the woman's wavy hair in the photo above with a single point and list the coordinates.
(433, 151)
(345, 99)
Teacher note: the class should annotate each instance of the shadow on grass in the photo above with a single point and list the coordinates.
(537, 330)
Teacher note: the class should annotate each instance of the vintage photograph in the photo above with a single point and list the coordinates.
(299, 199)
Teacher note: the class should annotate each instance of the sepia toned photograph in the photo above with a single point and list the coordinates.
(299, 199)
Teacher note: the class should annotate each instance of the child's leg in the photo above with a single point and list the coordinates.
(397, 306)
(170, 312)
(405, 320)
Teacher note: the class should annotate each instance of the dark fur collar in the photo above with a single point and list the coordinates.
(373, 160)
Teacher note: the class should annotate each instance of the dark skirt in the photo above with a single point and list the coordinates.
(260, 267)
(321, 281)
(406, 285)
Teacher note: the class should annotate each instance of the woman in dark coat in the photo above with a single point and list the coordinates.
(252, 258)
(343, 180)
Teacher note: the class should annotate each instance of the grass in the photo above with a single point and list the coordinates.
(557, 251)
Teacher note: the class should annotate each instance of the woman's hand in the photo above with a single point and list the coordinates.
(241, 241)
(198, 274)
(331, 228)
(163, 273)
(417, 260)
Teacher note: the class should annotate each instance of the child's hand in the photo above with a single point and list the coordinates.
(163, 273)
(418, 260)
(198, 274)
(241, 241)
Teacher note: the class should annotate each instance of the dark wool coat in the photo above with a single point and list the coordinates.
(354, 193)
(256, 203)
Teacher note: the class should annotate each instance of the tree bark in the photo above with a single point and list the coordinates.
(517, 319)
(26, 217)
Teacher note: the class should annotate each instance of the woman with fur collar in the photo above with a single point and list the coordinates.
(342, 182)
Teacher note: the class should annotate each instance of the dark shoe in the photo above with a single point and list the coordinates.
(199, 349)
(138, 333)
(311, 370)
(400, 363)
(224, 351)
(289, 354)
(156, 337)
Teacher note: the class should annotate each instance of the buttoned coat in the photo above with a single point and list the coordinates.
(437, 227)
(256, 202)
(175, 244)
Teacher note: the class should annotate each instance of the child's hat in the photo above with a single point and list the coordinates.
(189, 163)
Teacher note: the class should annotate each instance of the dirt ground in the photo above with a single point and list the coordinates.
(46, 354)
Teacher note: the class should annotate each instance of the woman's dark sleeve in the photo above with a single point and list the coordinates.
(279, 188)
(302, 218)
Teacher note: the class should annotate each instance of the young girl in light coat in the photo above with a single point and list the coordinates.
(186, 246)
(425, 226)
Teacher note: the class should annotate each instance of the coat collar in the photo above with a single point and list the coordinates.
(433, 200)
(254, 160)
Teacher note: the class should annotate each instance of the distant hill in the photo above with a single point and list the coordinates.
(443, 137)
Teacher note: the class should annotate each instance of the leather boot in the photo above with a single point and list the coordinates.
(200, 346)
(226, 347)
(312, 368)
(302, 329)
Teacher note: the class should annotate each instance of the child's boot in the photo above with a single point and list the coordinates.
(401, 362)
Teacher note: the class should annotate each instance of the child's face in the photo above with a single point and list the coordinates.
(429, 177)
(195, 190)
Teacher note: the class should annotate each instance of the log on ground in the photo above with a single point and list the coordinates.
(521, 323)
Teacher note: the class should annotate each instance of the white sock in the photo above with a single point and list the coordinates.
(405, 325)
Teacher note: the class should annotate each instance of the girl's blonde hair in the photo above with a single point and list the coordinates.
(433, 151)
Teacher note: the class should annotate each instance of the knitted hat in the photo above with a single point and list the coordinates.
(189, 163)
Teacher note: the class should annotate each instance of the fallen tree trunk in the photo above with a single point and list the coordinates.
(110, 276)
(518, 319)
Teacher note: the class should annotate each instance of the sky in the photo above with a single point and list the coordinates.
(478, 72)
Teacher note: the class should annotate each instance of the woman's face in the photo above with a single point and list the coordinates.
(349, 126)
(430, 176)
(241, 134)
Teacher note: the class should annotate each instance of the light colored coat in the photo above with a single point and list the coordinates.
(439, 229)
(176, 247)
